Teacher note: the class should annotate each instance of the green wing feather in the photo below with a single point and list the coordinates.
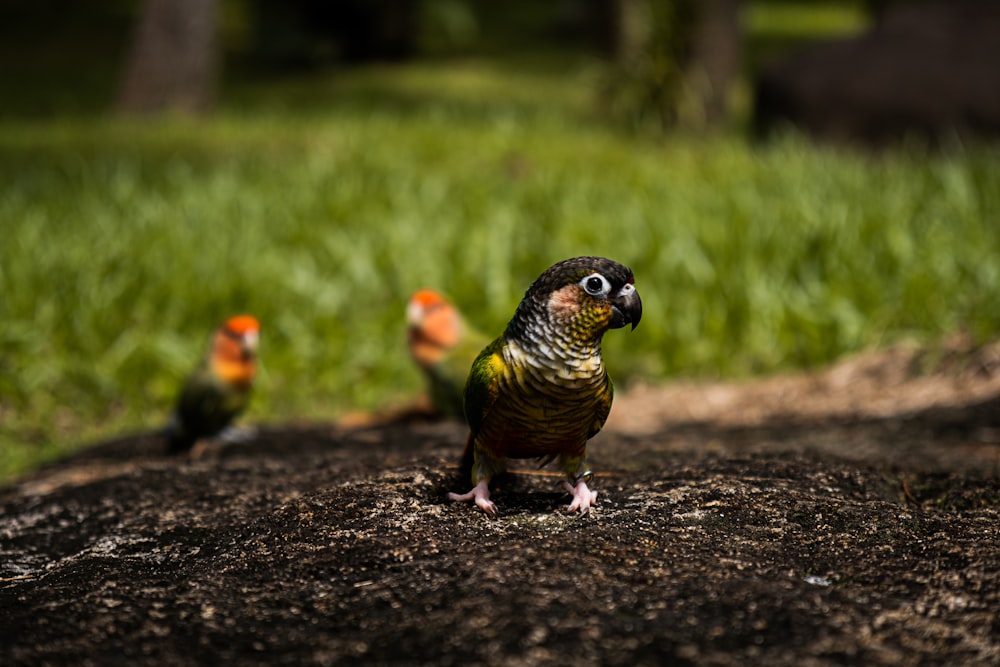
(481, 387)
(448, 378)
(603, 409)
(205, 407)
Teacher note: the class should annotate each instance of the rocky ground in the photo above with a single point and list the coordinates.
(846, 517)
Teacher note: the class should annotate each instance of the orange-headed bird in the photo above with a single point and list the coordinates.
(219, 388)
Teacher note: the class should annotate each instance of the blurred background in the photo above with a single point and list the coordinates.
(790, 181)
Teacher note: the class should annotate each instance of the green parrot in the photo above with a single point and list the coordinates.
(444, 347)
(540, 390)
(219, 388)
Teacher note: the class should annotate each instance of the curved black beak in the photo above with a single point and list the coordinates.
(626, 307)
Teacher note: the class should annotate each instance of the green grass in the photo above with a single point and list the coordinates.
(125, 243)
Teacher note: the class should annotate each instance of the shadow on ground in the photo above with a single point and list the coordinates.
(782, 541)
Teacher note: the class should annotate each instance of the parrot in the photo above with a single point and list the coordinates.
(219, 388)
(540, 390)
(444, 347)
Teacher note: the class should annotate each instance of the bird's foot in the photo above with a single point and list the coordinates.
(583, 497)
(198, 449)
(236, 434)
(480, 494)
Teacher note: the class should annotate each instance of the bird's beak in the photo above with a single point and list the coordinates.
(414, 314)
(250, 342)
(626, 307)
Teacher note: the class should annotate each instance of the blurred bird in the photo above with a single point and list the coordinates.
(541, 390)
(443, 346)
(219, 388)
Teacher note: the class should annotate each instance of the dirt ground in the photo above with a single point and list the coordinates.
(850, 516)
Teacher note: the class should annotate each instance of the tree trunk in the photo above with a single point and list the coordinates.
(173, 60)
(633, 28)
(716, 56)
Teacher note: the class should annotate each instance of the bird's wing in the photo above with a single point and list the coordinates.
(200, 399)
(448, 378)
(603, 409)
(481, 387)
(455, 367)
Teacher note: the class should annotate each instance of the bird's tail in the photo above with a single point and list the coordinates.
(178, 439)
(468, 458)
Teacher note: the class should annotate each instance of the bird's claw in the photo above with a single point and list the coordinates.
(480, 494)
(583, 497)
(236, 434)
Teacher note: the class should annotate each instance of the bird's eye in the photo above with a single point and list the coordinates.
(596, 285)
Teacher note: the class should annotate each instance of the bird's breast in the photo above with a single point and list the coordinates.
(237, 373)
(539, 411)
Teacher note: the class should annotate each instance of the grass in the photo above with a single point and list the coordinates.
(125, 243)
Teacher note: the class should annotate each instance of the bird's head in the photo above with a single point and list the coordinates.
(433, 326)
(583, 297)
(234, 349)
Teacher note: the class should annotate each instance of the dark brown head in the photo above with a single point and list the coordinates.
(578, 299)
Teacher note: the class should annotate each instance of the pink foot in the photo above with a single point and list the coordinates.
(583, 497)
(481, 494)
